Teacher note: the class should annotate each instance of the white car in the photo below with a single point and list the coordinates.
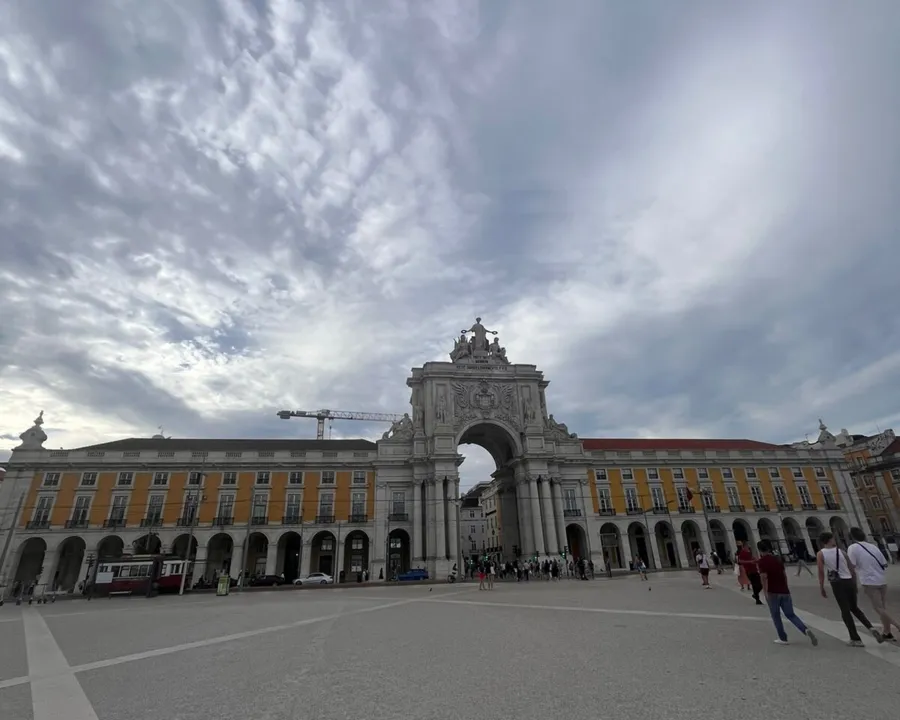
(315, 578)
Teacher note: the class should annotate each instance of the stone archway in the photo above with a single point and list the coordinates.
(31, 561)
(398, 553)
(719, 539)
(323, 554)
(814, 529)
(577, 541)
(185, 547)
(257, 551)
(639, 544)
(840, 529)
(665, 543)
(149, 544)
(690, 535)
(611, 545)
(766, 529)
(219, 552)
(793, 536)
(356, 555)
(110, 548)
(290, 555)
(70, 557)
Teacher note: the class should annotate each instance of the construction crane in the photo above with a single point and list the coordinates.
(322, 415)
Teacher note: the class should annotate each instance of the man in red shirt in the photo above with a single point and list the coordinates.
(746, 561)
(778, 595)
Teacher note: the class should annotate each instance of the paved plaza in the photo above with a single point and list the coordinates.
(617, 648)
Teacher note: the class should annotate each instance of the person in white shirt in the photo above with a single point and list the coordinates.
(870, 564)
(703, 567)
(836, 568)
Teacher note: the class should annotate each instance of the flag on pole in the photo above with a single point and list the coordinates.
(690, 495)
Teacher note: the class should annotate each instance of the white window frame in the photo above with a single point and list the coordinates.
(627, 474)
(229, 478)
(876, 503)
(820, 472)
(709, 498)
(88, 475)
(803, 492)
(659, 497)
(603, 500)
(751, 473)
(774, 474)
(50, 501)
(332, 478)
(256, 504)
(160, 479)
(288, 503)
(653, 473)
(124, 479)
(356, 481)
(632, 501)
(51, 480)
(727, 473)
(703, 473)
(756, 495)
(114, 505)
(226, 502)
(85, 510)
(678, 473)
(733, 495)
(295, 478)
(330, 494)
(683, 502)
(601, 474)
(263, 478)
(402, 503)
(354, 503)
(869, 481)
(797, 473)
(780, 493)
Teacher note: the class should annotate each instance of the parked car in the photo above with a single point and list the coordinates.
(315, 578)
(414, 574)
(266, 580)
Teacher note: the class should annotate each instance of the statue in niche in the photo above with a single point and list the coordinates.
(441, 412)
(402, 429)
(529, 410)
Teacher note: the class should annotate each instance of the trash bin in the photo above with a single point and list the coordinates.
(341, 577)
(359, 577)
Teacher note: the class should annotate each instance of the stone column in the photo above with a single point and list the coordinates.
(417, 534)
(377, 554)
(271, 558)
(536, 516)
(199, 570)
(525, 544)
(305, 556)
(48, 572)
(654, 550)
(453, 521)
(550, 535)
(685, 560)
(237, 560)
(440, 522)
(556, 491)
(430, 520)
(83, 570)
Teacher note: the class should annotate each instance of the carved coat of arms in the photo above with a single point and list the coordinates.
(485, 400)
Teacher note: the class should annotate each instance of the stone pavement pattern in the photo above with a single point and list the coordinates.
(601, 649)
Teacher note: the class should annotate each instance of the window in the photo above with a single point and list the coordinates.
(727, 473)
(601, 473)
(876, 502)
(155, 508)
(471, 529)
(359, 477)
(473, 548)
(678, 473)
(683, 502)
(117, 510)
(869, 481)
(161, 478)
(659, 498)
(188, 510)
(820, 472)
(780, 495)
(631, 499)
(51, 479)
(895, 473)
(195, 478)
(229, 478)
(774, 474)
(327, 477)
(125, 479)
(803, 492)
(88, 479)
(262, 477)
(826, 492)
(627, 474)
(326, 504)
(756, 494)
(226, 507)
(885, 525)
(356, 555)
(471, 513)
(603, 500)
(856, 482)
(570, 500)
(734, 498)
(42, 510)
(797, 472)
(295, 478)
(358, 504)
(653, 473)
(709, 500)
(292, 507)
(81, 510)
(260, 504)
(703, 473)
(398, 503)
(751, 473)
(327, 544)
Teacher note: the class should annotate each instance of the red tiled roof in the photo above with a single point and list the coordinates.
(674, 444)
(893, 448)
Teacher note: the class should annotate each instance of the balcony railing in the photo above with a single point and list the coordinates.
(186, 521)
(809, 506)
(290, 520)
(572, 512)
(398, 517)
(77, 523)
(785, 507)
(713, 508)
(259, 520)
(736, 508)
(660, 510)
(687, 509)
(223, 520)
(634, 511)
(832, 505)
(359, 518)
(114, 522)
(325, 519)
(152, 521)
(37, 525)
(604, 511)
(762, 507)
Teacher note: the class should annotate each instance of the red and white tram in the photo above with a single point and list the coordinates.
(141, 575)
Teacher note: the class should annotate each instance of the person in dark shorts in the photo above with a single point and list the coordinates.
(703, 566)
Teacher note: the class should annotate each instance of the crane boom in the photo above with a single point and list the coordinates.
(322, 415)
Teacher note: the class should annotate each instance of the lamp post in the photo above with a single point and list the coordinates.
(194, 501)
(88, 585)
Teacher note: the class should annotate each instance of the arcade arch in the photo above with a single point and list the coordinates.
(399, 547)
(290, 555)
(70, 556)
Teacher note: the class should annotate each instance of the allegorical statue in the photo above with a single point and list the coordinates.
(479, 336)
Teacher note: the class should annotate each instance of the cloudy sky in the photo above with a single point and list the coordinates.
(685, 213)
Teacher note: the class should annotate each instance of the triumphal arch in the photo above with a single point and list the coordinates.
(478, 396)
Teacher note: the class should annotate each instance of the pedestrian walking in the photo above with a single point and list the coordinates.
(869, 563)
(748, 564)
(778, 594)
(802, 565)
(703, 566)
(834, 566)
